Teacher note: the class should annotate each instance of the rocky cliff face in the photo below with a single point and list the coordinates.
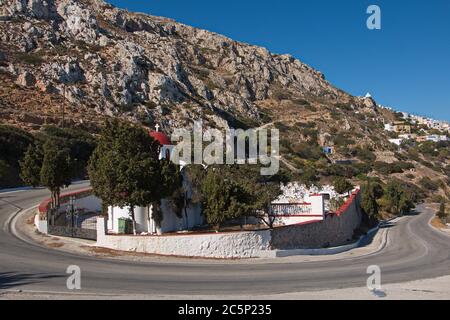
(110, 61)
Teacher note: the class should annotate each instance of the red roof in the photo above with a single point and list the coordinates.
(161, 137)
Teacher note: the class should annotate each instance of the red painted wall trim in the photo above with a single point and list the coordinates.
(300, 215)
(44, 205)
(300, 224)
(347, 204)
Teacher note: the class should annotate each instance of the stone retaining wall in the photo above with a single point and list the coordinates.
(211, 245)
(335, 230)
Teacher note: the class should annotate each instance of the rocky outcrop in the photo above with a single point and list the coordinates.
(66, 72)
(78, 21)
(26, 79)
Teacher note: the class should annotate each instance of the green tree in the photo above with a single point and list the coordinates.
(399, 199)
(442, 213)
(224, 199)
(55, 172)
(125, 170)
(342, 185)
(394, 196)
(407, 202)
(171, 186)
(263, 196)
(371, 193)
(80, 143)
(31, 165)
(236, 192)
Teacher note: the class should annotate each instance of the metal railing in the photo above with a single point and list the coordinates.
(290, 209)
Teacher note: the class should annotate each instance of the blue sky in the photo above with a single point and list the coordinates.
(405, 65)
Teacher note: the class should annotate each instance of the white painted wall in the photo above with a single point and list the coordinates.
(170, 223)
(116, 213)
(317, 204)
(89, 204)
(287, 221)
(212, 245)
(41, 225)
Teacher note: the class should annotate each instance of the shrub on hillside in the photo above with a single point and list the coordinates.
(390, 168)
(429, 184)
(307, 151)
(365, 154)
(342, 185)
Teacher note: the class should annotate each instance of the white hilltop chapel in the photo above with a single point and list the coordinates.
(145, 223)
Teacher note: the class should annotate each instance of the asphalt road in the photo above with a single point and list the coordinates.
(414, 251)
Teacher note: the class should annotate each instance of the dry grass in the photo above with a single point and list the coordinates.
(30, 220)
(55, 245)
(30, 108)
(437, 223)
(105, 252)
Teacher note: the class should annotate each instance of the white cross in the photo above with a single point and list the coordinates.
(157, 128)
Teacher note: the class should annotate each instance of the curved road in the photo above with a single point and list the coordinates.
(414, 251)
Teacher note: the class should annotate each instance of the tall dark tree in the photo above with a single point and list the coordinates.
(80, 143)
(125, 170)
(56, 170)
(371, 193)
(442, 213)
(31, 165)
(394, 195)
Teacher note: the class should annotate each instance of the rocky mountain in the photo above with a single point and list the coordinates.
(111, 61)
(85, 60)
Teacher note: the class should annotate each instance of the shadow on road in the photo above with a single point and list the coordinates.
(369, 239)
(9, 280)
(412, 213)
(387, 225)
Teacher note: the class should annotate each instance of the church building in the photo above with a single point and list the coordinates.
(145, 222)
